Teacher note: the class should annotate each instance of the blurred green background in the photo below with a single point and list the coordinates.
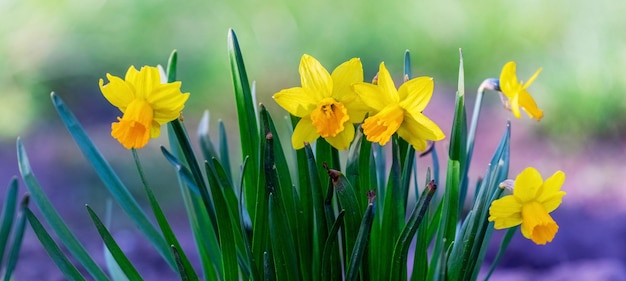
(66, 46)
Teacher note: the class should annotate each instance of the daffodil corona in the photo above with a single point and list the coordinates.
(516, 92)
(398, 110)
(530, 205)
(145, 102)
(326, 104)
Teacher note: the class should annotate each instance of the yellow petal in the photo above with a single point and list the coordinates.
(505, 212)
(532, 78)
(155, 130)
(380, 127)
(537, 224)
(371, 96)
(527, 185)
(344, 76)
(304, 132)
(168, 102)
(386, 85)
(357, 109)
(296, 101)
(131, 73)
(508, 80)
(145, 81)
(527, 102)
(342, 140)
(551, 194)
(416, 93)
(515, 106)
(117, 92)
(315, 78)
(416, 129)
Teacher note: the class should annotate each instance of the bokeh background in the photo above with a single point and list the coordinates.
(66, 46)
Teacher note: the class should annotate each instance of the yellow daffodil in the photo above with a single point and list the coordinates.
(145, 102)
(398, 110)
(516, 92)
(326, 103)
(530, 205)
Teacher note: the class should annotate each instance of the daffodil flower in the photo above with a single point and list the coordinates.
(398, 110)
(516, 92)
(145, 102)
(326, 103)
(530, 205)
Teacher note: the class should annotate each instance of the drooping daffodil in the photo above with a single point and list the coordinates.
(530, 205)
(398, 110)
(326, 103)
(146, 104)
(516, 92)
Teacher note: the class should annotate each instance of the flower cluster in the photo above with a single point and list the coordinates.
(329, 104)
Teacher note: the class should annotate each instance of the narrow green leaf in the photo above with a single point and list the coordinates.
(115, 186)
(182, 269)
(348, 202)
(203, 233)
(18, 237)
(501, 250)
(53, 218)
(283, 246)
(125, 265)
(358, 166)
(245, 256)
(225, 228)
(393, 212)
(248, 125)
(224, 151)
(164, 225)
(401, 248)
(330, 246)
(361, 240)
(8, 215)
(59, 258)
(194, 168)
(466, 258)
(206, 145)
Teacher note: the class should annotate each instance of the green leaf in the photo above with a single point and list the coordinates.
(330, 247)
(58, 257)
(8, 215)
(225, 228)
(248, 125)
(393, 213)
(224, 152)
(164, 225)
(348, 202)
(125, 265)
(112, 182)
(501, 250)
(361, 240)
(466, 258)
(53, 218)
(283, 246)
(204, 235)
(358, 166)
(18, 237)
(401, 248)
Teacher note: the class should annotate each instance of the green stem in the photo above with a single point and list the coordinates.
(488, 84)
